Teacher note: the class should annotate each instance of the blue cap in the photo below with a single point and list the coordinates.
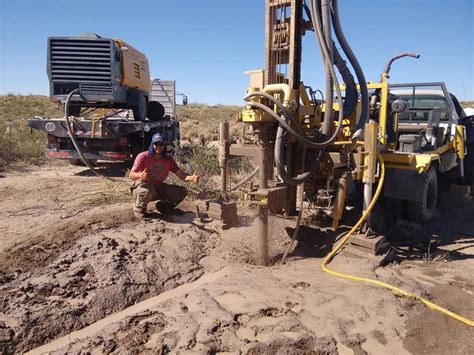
(157, 137)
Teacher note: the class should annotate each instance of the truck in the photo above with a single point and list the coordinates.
(111, 134)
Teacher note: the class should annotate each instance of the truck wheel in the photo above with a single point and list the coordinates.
(140, 110)
(422, 211)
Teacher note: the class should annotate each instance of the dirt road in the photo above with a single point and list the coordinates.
(76, 266)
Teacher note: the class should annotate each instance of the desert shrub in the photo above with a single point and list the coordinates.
(202, 159)
(17, 143)
(22, 146)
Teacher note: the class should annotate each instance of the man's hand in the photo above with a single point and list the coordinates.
(144, 175)
(185, 177)
(194, 178)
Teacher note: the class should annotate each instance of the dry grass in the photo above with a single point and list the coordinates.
(202, 121)
(198, 122)
(17, 144)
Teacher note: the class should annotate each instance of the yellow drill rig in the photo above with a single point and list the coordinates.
(331, 144)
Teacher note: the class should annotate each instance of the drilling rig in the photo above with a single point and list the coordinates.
(327, 145)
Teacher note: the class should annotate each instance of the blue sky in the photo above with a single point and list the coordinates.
(206, 45)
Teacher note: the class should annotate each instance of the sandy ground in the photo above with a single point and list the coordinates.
(78, 273)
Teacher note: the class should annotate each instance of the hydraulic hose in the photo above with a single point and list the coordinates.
(278, 103)
(285, 125)
(280, 165)
(388, 66)
(295, 131)
(279, 145)
(394, 289)
(73, 139)
(354, 62)
(325, 8)
(245, 180)
(326, 58)
(350, 102)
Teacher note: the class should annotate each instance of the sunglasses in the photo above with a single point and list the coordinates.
(159, 144)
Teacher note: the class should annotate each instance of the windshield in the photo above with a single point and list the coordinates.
(420, 101)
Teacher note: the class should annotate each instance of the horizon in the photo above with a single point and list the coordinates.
(206, 50)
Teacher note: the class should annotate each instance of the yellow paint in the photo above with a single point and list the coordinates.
(419, 162)
(370, 152)
(135, 69)
(304, 95)
(383, 113)
(459, 141)
(251, 116)
(443, 149)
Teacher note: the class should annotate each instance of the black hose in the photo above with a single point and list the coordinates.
(274, 101)
(324, 13)
(301, 138)
(280, 165)
(386, 70)
(350, 101)
(71, 135)
(354, 62)
(320, 36)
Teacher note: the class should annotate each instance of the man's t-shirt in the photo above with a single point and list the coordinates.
(157, 167)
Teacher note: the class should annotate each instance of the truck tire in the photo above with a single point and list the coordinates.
(156, 111)
(140, 110)
(422, 211)
(469, 165)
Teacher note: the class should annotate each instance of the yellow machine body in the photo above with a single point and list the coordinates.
(135, 68)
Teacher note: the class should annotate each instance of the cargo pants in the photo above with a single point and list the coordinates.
(167, 196)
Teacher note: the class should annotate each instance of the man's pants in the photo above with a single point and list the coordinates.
(167, 196)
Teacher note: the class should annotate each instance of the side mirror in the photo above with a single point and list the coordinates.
(399, 106)
(185, 100)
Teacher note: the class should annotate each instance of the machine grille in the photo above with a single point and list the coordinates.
(80, 60)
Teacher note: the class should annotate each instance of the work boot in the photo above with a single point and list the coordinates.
(164, 207)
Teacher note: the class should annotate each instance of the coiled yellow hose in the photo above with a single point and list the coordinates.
(397, 290)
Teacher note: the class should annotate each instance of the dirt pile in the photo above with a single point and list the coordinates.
(97, 270)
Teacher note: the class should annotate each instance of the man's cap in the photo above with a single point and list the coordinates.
(158, 138)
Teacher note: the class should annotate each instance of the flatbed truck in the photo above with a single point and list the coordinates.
(111, 135)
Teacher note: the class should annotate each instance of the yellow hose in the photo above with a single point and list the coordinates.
(397, 290)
